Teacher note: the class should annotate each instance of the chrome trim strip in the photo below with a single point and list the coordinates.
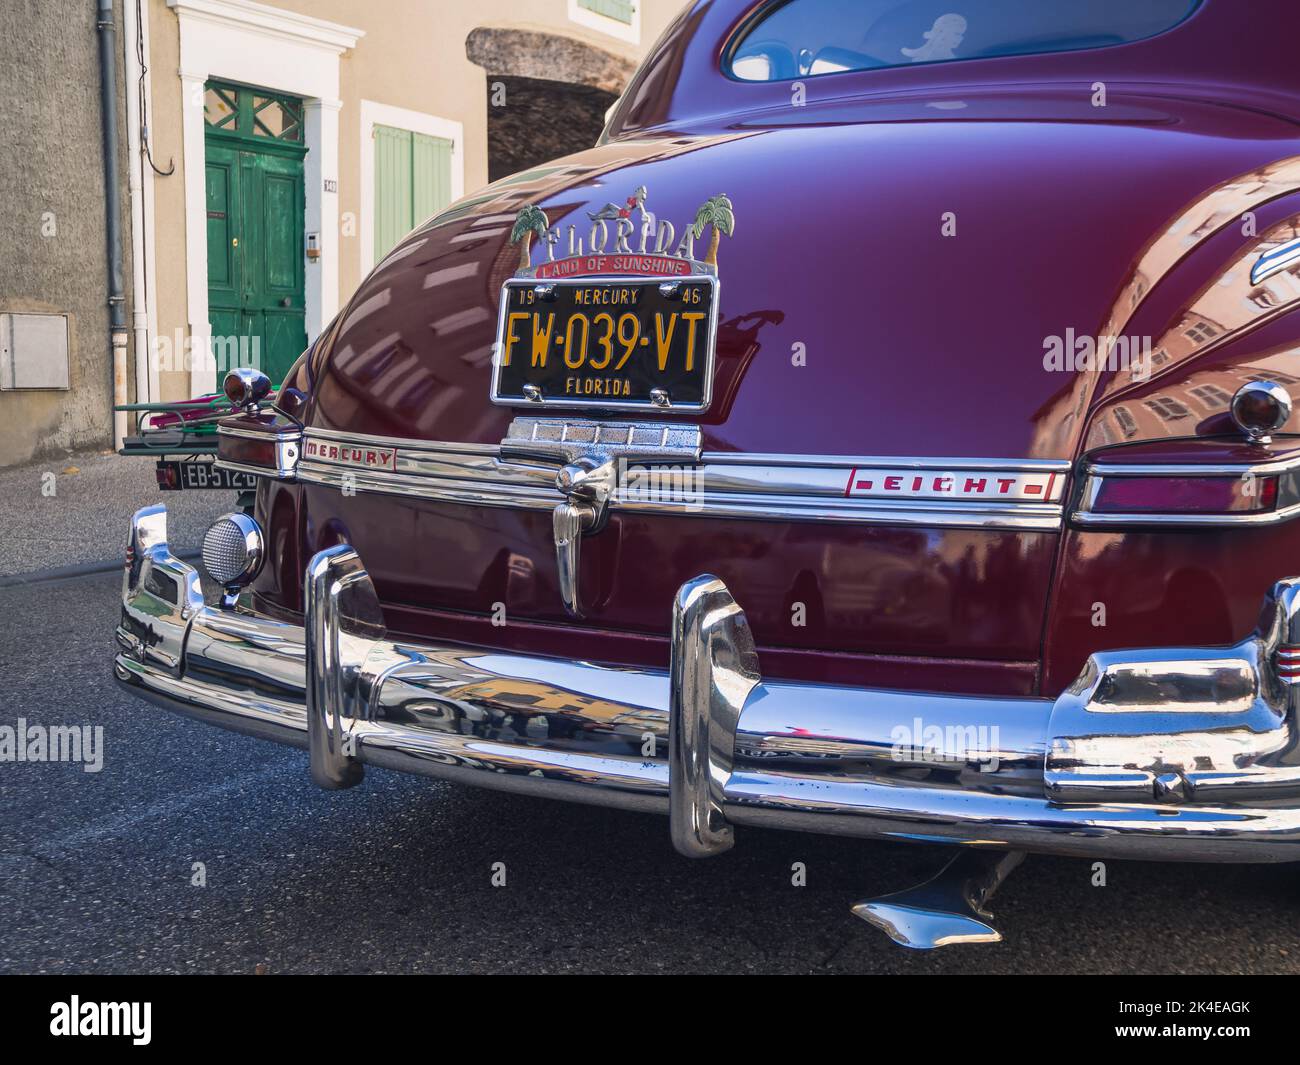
(750, 458)
(1275, 261)
(226, 430)
(720, 485)
(405, 443)
(1046, 518)
(729, 458)
(1169, 753)
(1168, 469)
(1271, 517)
(471, 491)
(255, 471)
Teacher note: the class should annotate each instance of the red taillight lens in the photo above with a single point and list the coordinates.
(247, 451)
(264, 444)
(1288, 663)
(1185, 495)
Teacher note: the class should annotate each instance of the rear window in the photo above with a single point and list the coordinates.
(802, 38)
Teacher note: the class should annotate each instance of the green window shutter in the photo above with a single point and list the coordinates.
(412, 182)
(392, 188)
(430, 176)
(619, 10)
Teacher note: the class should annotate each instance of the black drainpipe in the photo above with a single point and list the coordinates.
(113, 208)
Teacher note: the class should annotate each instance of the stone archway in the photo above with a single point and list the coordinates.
(548, 57)
(547, 94)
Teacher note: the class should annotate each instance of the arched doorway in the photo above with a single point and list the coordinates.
(547, 94)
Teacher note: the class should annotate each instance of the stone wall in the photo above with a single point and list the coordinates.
(52, 242)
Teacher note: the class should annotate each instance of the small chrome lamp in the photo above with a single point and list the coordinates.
(1261, 408)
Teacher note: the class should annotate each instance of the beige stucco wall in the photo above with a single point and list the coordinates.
(412, 56)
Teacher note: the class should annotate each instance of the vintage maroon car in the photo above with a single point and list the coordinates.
(883, 431)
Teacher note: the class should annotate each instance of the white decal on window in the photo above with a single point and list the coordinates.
(940, 41)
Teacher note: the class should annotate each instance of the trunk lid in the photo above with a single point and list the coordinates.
(894, 275)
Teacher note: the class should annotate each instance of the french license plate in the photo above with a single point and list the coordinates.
(600, 342)
(174, 476)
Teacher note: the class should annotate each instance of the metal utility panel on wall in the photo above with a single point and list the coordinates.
(33, 351)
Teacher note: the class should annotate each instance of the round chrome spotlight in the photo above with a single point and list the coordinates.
(245, 387)
(1260, 408)
(233, 550)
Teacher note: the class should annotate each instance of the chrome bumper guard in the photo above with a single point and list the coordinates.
(1178, 754)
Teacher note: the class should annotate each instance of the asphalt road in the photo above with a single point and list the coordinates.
(74, 510)
(395, 875)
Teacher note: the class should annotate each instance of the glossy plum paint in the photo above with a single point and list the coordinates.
(1201, 588)
(865, 590)
(839, 247)
(916, 342)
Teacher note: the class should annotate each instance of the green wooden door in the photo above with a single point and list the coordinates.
(254, 187)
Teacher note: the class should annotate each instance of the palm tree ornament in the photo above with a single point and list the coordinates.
(530, 222)
(716, 212)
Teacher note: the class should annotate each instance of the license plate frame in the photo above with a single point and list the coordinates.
(513, 397)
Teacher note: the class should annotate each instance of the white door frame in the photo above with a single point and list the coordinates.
(376, 114)
(270, 48)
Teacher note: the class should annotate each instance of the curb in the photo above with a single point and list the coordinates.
(80, 569)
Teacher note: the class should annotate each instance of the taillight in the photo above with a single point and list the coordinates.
(1207, 493)
(1185, 495)
(248, 451)
(266, 446)
(1288, 663)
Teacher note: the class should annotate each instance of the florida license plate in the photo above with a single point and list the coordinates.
(615, 344)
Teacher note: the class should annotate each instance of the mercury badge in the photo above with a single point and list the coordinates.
(623, 238)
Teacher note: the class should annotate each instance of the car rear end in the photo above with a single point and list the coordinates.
(718, 471)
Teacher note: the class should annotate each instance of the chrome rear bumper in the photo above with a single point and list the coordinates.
(1177, 754)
